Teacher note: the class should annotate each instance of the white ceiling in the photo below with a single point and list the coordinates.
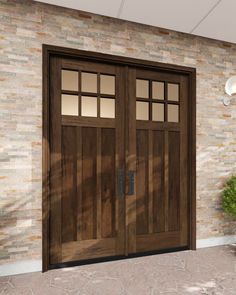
(209, 18)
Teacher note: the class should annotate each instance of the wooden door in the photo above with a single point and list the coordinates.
(86, 157)
(120, 157)
(157, 198)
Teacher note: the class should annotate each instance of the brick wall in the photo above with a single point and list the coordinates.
(24, 27)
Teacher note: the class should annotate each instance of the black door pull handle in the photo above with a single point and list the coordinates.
(131, 177)
(121, 182)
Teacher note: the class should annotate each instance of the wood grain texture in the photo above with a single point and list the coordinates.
(95, 248)
(150, 181)
(87, 153)
(161, 166)
(91, 152)
(142, 177)
(174, 181)
(45, 164)
(55, 164)
(99, 183)
(166, 178)
(184, 163)
(89, 182)
(158, 182)
(108, 179)
(157, 241)
(69, 184)
(120, 156)
(130, 150)
(79, 182)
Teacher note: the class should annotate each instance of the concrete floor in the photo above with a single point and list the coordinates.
(206, 271)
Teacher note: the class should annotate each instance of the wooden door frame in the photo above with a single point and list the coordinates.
(48, 52)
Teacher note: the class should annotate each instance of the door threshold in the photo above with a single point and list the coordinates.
(114, 258)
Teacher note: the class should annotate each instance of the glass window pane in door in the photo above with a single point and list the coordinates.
(69, 80)
(107, 84)
(107, 109)
(173, 92)
(142, 88)
(173, 113)
(158, 90)
(158, 112)
(89, 82)
(89, 106)
(69, 105)
(142, 110)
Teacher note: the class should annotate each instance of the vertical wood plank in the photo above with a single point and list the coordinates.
(99, 94)
(108, 183)
(150, 181)
(45, 162)
(142, 182)
(69, 192)
(174, 181)
(184, 163)
(120, 92)
(131, 158)
(89, 179)
(79, 97)
(158, 182)
(55, 162)
(166, 178)
(166, 102)
(99, 176)
(79, 182)
(150, 97)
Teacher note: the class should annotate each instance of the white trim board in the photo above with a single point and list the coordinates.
(28, 266)
(20, 267)
(216, 241)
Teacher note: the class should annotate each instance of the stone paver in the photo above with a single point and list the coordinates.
(209, 271)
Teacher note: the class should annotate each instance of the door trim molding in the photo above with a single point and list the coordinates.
(48, 52)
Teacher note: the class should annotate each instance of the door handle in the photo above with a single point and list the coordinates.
(121, 182)
(131, 177)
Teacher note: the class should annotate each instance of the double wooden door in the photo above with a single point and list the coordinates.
(118, 160)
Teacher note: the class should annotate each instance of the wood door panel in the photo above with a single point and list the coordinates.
(89, 122)
(88, 66)
(108, 188)
(158, 75)
(86, 154)
(159, 205)
(147, 125)
(158, 182)
(174, 181)
(97, 209)
(95, 248)
(158, 241)
(69, 184)
(55, 165)
(142, 213)
(86, 213)
(98, 190)
(89, 183)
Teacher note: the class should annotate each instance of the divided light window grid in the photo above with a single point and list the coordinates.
(157, 101)
(87, 94)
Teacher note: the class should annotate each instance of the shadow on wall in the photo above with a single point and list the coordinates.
(17, 228)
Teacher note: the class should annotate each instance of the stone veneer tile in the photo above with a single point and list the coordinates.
(24, 27)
